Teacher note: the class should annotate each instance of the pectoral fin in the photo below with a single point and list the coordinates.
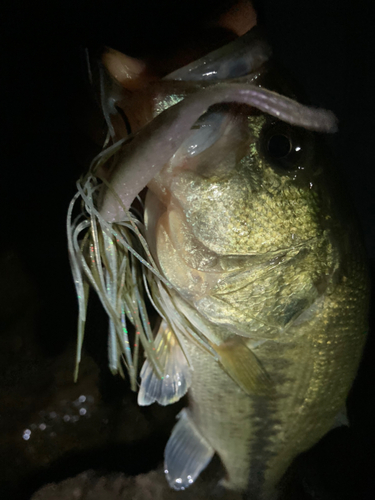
(244, 367)
(187, 453)
(177, 376)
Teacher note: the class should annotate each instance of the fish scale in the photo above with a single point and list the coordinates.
(312, 366)
(236, 424)
(208, 403)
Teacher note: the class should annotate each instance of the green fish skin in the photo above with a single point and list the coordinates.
(266, 261)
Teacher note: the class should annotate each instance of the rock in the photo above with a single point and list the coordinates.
(150, 486)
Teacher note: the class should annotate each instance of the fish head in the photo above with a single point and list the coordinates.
(242, 215)
(244, 184)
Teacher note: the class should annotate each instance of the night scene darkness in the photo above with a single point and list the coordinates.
(52, 429)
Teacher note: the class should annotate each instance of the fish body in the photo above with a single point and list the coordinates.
(253, 262)
(279, 285)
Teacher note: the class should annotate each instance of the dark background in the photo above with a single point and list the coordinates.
(47, 126)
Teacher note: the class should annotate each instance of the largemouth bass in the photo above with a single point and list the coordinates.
(249, 257)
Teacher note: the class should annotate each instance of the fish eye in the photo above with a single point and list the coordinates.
(283, 146)
(279, 146)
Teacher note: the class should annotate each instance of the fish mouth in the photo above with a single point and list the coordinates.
(161, 123)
